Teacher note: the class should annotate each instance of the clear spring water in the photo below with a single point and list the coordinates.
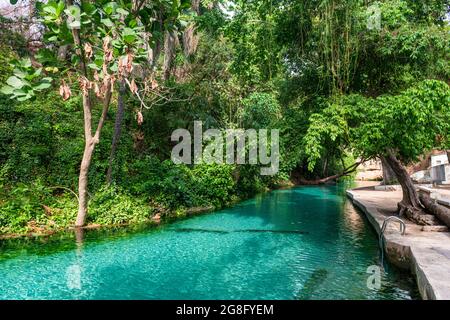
(302, 243)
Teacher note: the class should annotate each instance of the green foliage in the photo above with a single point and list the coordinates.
(175, 186)
(15, 42)
(38, 138)
(113, 206)
(257, 59)
(330, 131)
(410, 123)
(250, 181)
(25, 82)
(23, 207)
(260, 111)
(215, 183)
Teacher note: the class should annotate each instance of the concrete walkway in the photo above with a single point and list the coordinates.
(425, 253)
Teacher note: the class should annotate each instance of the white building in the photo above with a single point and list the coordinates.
(440, 169)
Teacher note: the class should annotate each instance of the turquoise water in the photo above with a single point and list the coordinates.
(302, 243)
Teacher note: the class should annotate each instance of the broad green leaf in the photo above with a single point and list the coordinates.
(74, 14)
(25, 63)
(38, 72)
(109, 8)
(107, 22)
(60, 8)
(93, 66)
(19, 73)
(20, 93)
(50, 9)
(7, 90)
(128, 35)
(73, 11)
(114, 67)
(42, 86)
(122, 11)
(15, 82)
(132, 23)
(24, 98)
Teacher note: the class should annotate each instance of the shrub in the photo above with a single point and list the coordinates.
(214, 183)
(112, 206)
(23, 205)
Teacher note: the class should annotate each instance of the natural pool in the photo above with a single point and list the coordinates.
(301, 243)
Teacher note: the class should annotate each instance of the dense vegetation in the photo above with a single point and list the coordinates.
(341, 88)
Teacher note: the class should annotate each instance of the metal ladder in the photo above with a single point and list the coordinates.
(383, 229)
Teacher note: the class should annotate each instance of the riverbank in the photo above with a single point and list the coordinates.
(426, 254)
(37, 210)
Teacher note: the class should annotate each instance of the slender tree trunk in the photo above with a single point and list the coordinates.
(325, 167)
(346, 172)
(321, 181)
(83, 196)
(190, 38)
(62, 52)
(90, 142)
(89, 145)
(170, 42)
(117, 130)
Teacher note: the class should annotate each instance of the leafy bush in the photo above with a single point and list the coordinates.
(112, 206)
(176, 186)
(23, 205)
(260, 111)
(214, 183)
(249, 182)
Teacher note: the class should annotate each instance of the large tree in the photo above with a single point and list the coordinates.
(397, 128)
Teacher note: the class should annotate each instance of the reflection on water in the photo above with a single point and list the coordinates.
(353, 220)
(301, 243)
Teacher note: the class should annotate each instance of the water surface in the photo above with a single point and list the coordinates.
(301, 243)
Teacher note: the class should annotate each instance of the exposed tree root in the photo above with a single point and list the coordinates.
(417, 215)
(441, 212)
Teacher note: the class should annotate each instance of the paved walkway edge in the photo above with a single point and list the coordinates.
(403, 255)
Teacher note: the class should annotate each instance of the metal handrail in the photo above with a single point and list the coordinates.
(383, 229)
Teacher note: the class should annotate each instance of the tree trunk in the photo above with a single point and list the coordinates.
(320, 181)
(346, 172)
(190, 41)
(83, 196)
(325, 167)
(388, 174)
(90, 140)
(62, 52)
(117, 130)
(170, 42)
(89, 147)
(410, 206)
